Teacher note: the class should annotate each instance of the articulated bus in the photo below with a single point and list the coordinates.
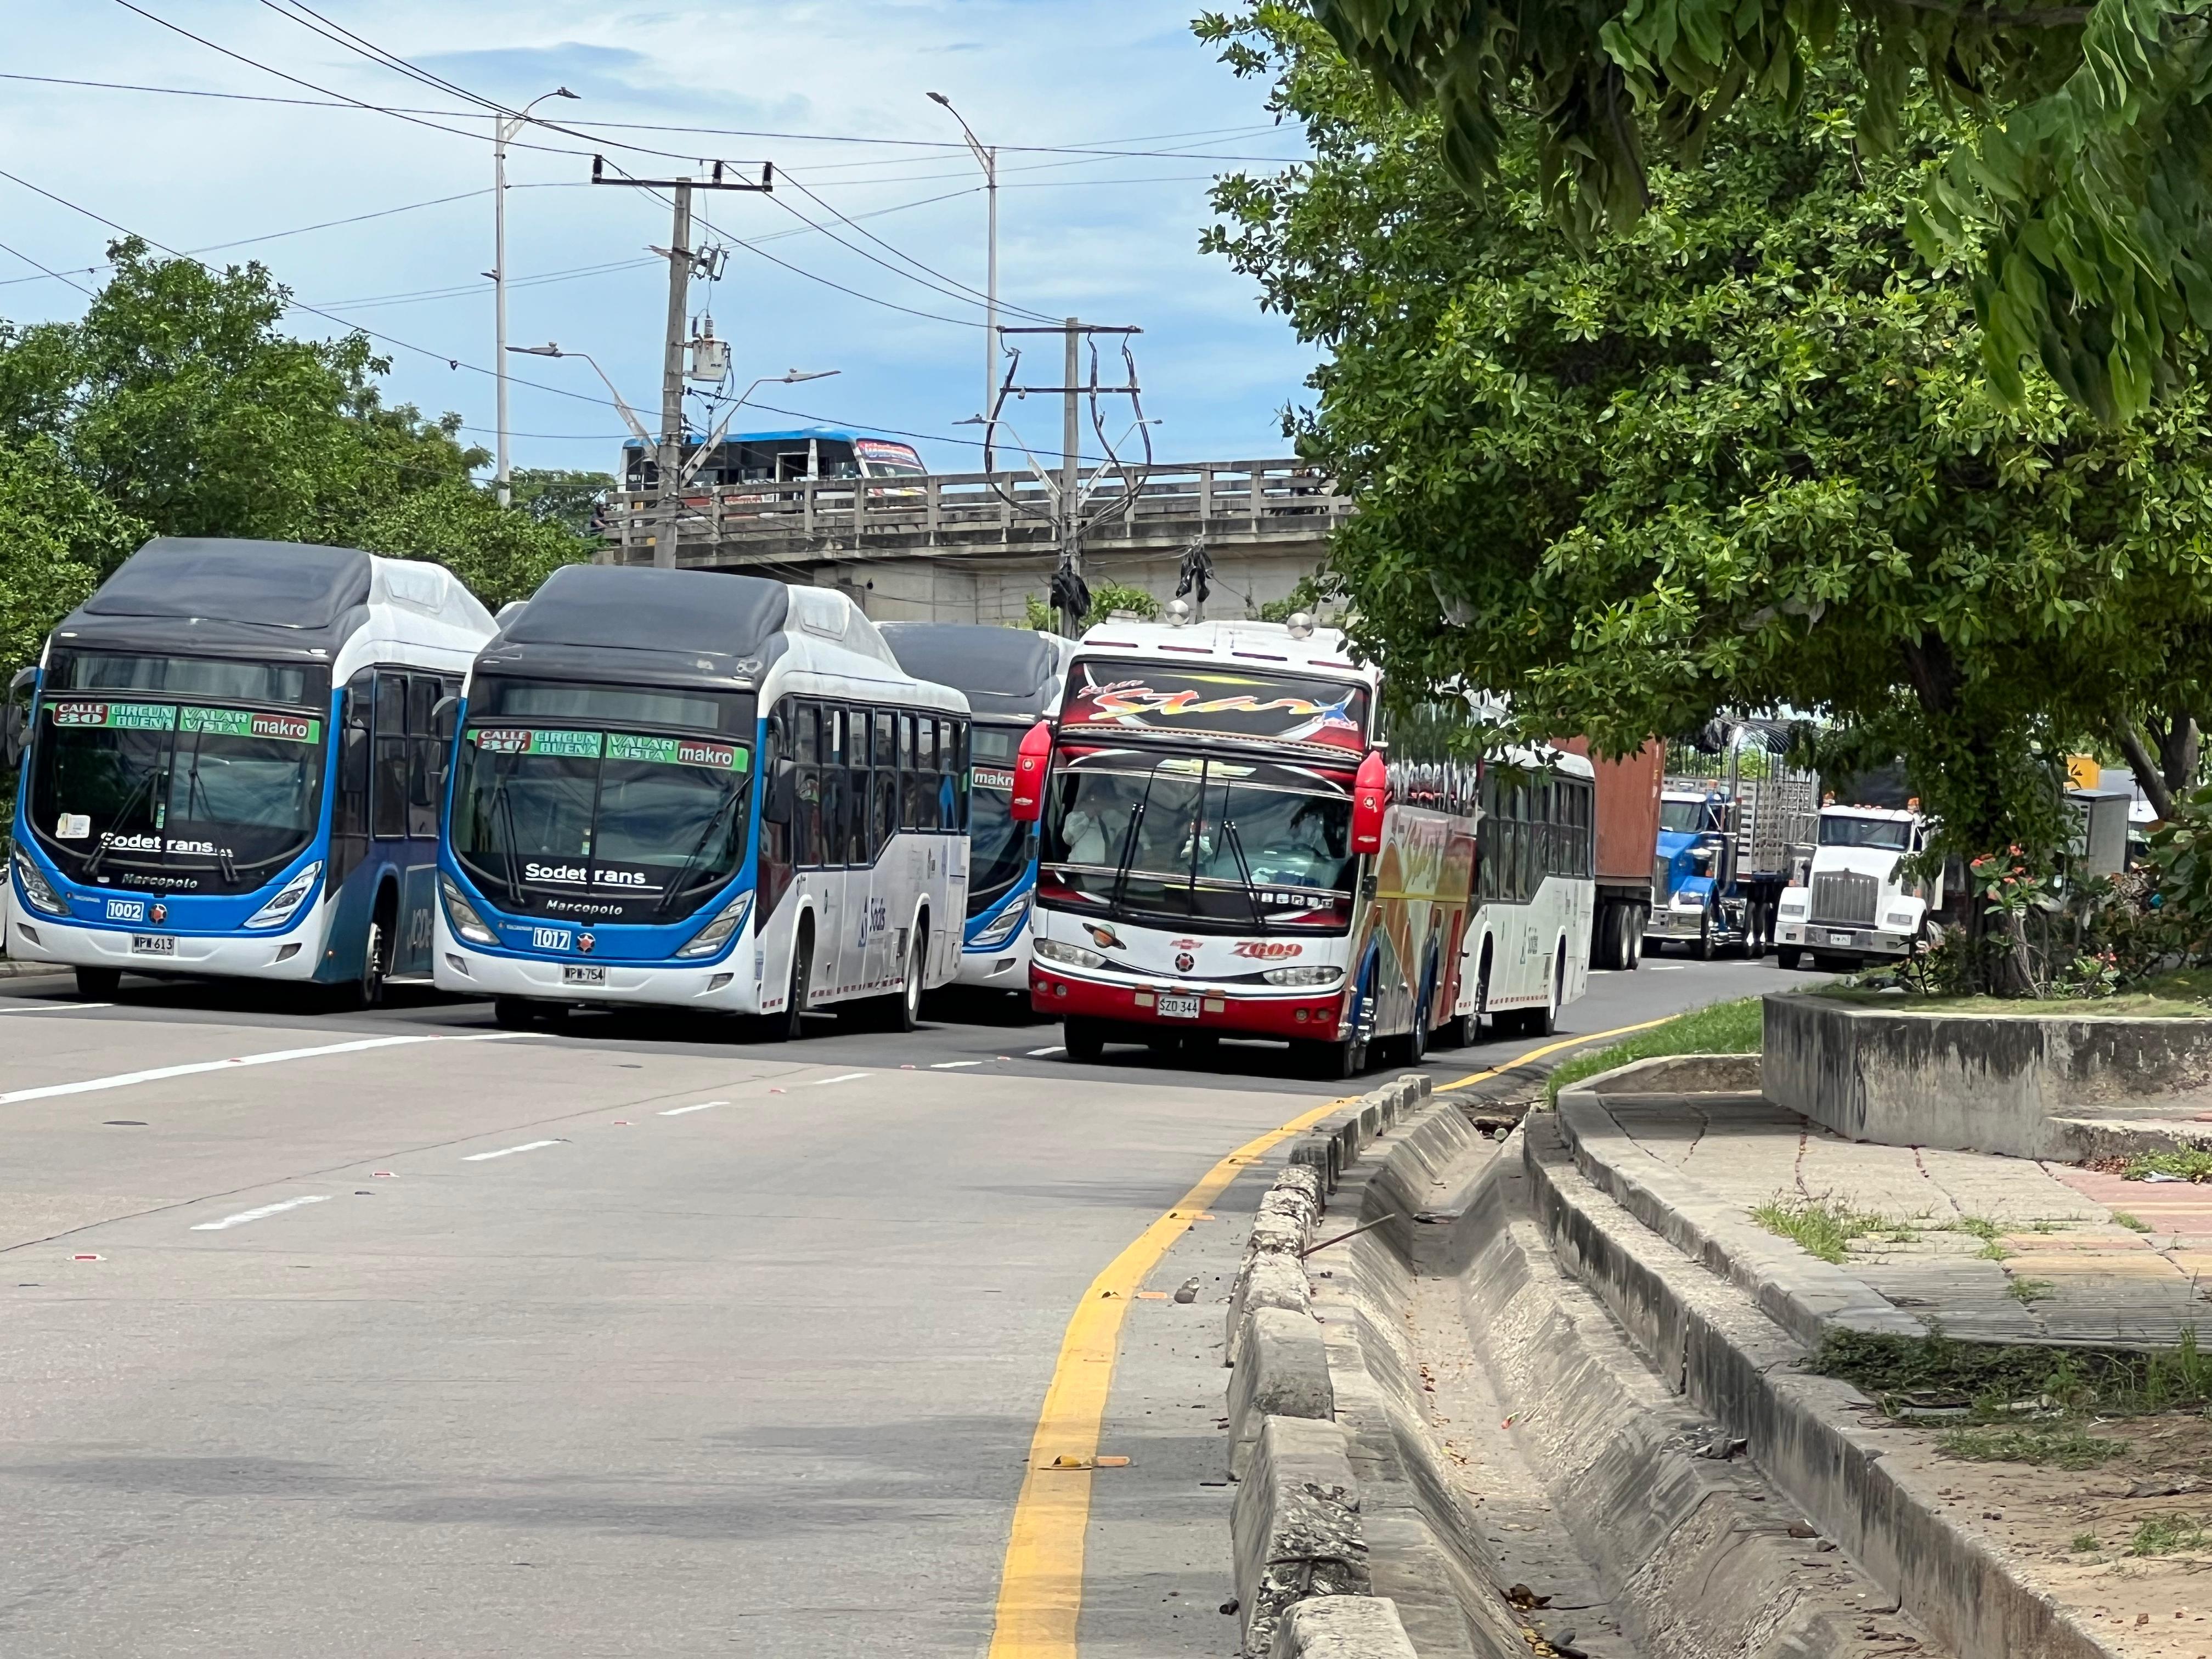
(708, 792)
(233, 767)
(1012, 678)
(778, 457)
(1226, 851)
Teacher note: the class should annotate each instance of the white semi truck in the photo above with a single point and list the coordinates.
(1854, 908)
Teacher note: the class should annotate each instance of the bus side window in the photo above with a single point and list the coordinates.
(962, 775)
(388, 791)
(808, 838)
(349, 814)
(925, 770)
(423, 691)
(861, 849)
(908, 817)
(832, 850)
(886, 782)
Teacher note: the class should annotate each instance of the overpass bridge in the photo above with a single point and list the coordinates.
(975, 546)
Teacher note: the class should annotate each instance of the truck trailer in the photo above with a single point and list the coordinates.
(1627, 822)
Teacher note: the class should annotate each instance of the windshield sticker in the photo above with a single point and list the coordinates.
(510, 740)
(1253, 708)
(990, 778)
(73, 826)
(242, 723)
(678, 751)
(122, 716)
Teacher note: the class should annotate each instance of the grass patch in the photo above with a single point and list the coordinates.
(2187, 1166)
(2162, 1534)
(2134, 1224)
(2085, 1541)
(2114, 1381)
(2184, 995)
(1724, 1028)
(1825, 1226)
(2062, 1448)
(2025, 1290)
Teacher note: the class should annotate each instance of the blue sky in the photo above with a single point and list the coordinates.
(1112, 239)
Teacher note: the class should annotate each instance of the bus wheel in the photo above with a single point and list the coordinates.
(1333, 1062)
(1086, 1039)
(1455, 1033)
(99, 984)
(906, 1014)
(1542, 1022)
(790, 1025)
(376, 959)
(513, 1013)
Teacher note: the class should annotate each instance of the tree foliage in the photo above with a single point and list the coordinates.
(1736, 457)
(176, 406)
(2078, 196)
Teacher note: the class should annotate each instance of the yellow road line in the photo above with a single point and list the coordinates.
(1041, 1585)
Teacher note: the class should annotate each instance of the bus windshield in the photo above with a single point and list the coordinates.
(1244, 847)
(603, 804)
(998, 848)
(177, 796)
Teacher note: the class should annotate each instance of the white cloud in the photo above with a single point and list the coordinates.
(194, 172)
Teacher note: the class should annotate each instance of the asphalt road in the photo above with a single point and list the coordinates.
(393, 1334)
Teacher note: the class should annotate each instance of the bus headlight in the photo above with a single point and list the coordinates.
(35, 887)
(463, 914)
(1302, 976)
(282, 908)
(716, 933)
(1009, 920)
(1074, 956)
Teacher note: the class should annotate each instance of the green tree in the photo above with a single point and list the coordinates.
(2078, 198)
(503, 554)
(1738, 456)
(560, 495)
(57, 535)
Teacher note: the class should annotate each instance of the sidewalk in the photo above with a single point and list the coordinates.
(1991, 1248)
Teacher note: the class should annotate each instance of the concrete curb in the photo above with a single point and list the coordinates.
(1804, 1432)
(1803, 1294)
(1342, 1627)
(1295, 1525)
(1283, 1372)
(12, 968)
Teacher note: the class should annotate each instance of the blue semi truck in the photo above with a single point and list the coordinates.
(1729, 846)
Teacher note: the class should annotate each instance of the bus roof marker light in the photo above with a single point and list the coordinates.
(1300, 624)
(1179, 614)
(1031, 761)
(1370, 796)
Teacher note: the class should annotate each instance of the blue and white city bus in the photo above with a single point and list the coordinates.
(701, 791)
(233, 767)
(1012, 678)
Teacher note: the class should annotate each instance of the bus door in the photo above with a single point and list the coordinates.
(883, 962)
(405, 809)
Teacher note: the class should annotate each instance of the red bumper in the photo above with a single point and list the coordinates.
(1057, 996)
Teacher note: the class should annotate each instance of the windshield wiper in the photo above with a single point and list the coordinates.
(730, 799)
(1129, 846)
(130, 804)
(193, 792)
(1243, 868)
(502, 814)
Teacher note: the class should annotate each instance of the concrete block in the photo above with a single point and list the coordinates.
(1295, 1525)
(1282, 1371)
(1274, 1231)
(1292, 1204)
(1322, 1153)
(1268, 1279)
(1422, 1085)
(1342, 1627)
(1301, 1179)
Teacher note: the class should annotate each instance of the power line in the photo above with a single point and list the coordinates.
(56, 274)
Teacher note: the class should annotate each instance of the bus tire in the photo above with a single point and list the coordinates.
(1086, 1039)
(1457, 1032)
(376, 952)
(906, 1007)
(1542, 1022)
(99, 984)
(790, 1024)
(513, 1013)
(1335, 1062)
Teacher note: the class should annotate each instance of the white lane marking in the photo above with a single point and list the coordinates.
(841, 1077)
(507, 1152)
(52, 1007)
(1055, 1049)
(953, 1065)
(256, 1215)
(678, 1111)
(1664, 967)
(125, 1080)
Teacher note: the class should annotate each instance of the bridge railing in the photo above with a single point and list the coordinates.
(1230, 500)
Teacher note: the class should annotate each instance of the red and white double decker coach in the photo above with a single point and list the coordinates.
(1226, 851)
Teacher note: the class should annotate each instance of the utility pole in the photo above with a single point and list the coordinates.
(1068, 505)
(683, 262)
(504, 127)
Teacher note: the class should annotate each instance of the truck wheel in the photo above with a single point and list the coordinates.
(1703, 950)
(1631, 933)
(1648, 946)
(1785, 955)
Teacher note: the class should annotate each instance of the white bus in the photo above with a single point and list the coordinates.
(1012, 679)
(234, 765)
(707, 792)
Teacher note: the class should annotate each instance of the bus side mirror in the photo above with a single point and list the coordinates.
(14, 718)
(1370, 798)
(1031, 761)
(778, 791)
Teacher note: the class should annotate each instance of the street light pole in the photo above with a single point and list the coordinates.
(988, 159)
(629, 415)
(504, 127)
